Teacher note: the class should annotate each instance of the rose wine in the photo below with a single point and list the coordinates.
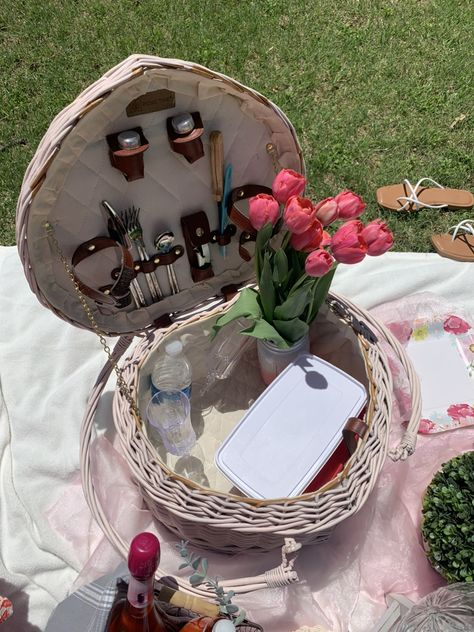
(137, 613)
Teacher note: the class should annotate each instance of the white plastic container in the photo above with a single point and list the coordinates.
(291, 430)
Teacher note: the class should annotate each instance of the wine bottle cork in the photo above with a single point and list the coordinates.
(183, 600)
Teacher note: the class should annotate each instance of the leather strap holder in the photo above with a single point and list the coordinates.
(245, 238)
(229, 291)
(248, 233)
(197, 234)
(155, 261)
(188, 145)
(117, 294)
(128, 161)
(223, 239)
(355, 428)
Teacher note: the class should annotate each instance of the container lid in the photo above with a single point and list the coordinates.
(61, 213)
(291, 430)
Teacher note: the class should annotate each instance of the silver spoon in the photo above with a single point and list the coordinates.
(164, 244)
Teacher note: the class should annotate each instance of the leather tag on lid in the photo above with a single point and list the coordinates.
(151, 102)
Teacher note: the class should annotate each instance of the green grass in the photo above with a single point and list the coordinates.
(373, 87)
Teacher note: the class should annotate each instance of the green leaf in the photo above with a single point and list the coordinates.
(293, 330)
(267, 290)
(294, 305)
(195, 563)
(261, 243)
(240, 618)
(246, 306)
(204, 565)
(319, 294)
(196, 579)
(263, 330)
(280, 269)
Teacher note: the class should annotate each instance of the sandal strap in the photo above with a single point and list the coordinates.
(413, 199)
(465, 225)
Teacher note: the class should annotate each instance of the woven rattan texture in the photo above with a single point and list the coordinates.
(229, 523)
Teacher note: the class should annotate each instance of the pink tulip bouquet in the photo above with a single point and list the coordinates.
(296, 257)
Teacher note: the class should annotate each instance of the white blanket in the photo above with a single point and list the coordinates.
(47, 368)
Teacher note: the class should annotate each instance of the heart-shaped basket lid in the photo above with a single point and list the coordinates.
(186, 126)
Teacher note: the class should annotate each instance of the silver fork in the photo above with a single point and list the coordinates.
(116, 223)
(135, 232)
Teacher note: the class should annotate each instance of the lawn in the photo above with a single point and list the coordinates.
(377, 90)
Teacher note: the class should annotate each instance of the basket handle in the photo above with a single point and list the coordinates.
(407, 444)
(282, 575)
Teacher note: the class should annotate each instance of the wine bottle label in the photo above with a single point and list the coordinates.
(140, 594)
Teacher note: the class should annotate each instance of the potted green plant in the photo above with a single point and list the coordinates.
(448, 519)
(295, 261)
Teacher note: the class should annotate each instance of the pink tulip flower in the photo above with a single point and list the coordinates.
(327, 211)
(310, 239)
(326, 239)
(298, 214)
(318, 263)
(263, 208)
(347, 244)
(286, 184)
(378, 238)
(349, 204)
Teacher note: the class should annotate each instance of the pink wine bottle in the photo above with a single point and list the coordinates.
(137, 613)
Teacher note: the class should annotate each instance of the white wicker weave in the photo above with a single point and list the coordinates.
(59, 188)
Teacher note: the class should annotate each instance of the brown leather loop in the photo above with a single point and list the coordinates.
(245, 238)
(223, 239)
(243, 193)
(354, 429)
(162, 321)
(229, 291)
(116, 294)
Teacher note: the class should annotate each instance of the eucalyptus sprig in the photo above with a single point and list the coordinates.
(199, 577)
(448, 519)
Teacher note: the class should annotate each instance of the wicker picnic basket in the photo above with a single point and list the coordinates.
(59, 209)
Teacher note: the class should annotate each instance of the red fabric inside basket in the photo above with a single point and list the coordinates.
(333, 466)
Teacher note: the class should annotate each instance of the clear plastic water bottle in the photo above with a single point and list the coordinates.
(172, 370)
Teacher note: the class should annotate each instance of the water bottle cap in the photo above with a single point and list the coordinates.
(174, 348)
(223, 625)
(144, 555)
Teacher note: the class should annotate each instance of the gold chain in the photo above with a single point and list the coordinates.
(123, 386)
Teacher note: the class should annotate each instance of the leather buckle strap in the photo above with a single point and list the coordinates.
(117, 294)
(197, 237)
